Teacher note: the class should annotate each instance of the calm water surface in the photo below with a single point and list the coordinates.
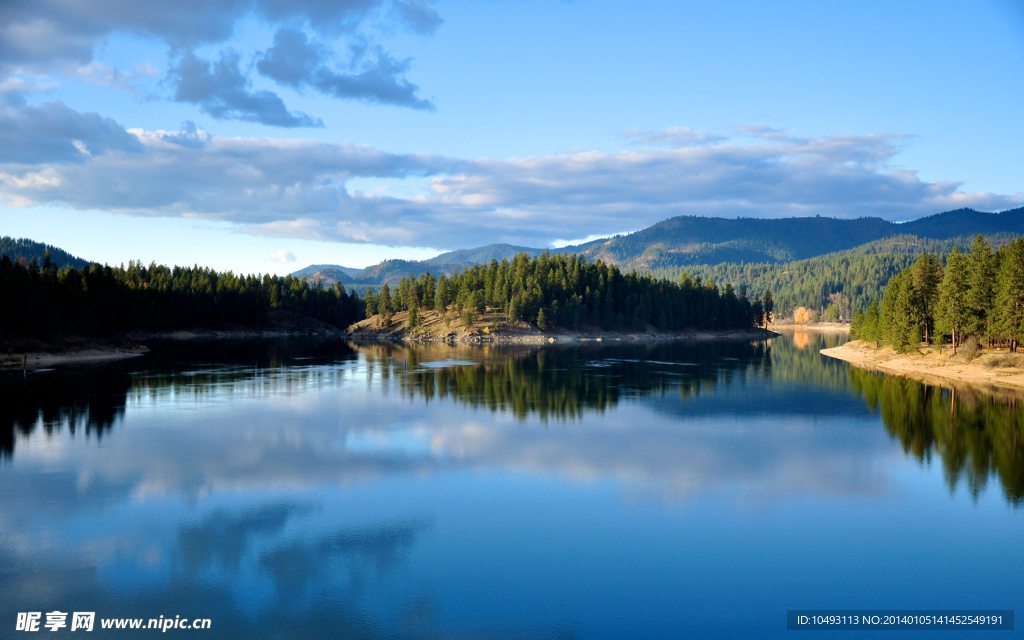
(326, 490)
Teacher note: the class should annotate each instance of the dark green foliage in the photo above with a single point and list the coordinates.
(901, 313)
(978, 297)
(953, 312)
(25, 250)
(857, 325)
(100, 300)
(570, 292)
(692, 240)
(858, 275)
(384, 308)
(927, 275)
(982, 268)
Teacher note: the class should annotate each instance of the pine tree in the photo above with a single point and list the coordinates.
(371, 303)
(414, 317)
(953, 312)
(1009, 315)
(441, 297)
(769, 306)
(857, 325)
(981, 287)
(927, 274)
(542, 321)
(757, 309)
(384, 306)
(870, 330)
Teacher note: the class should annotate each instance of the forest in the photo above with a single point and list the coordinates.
(832, 285)
(978, 294)
(572, 292)
(44, 301)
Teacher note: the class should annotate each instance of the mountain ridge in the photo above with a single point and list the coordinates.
(685, 241)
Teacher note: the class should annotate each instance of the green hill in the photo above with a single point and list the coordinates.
(854, 278)
(28, 249)
(313, 268)
(327, 275)
(690, 240)
(482, 255)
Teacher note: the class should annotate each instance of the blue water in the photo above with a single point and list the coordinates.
(300, 490)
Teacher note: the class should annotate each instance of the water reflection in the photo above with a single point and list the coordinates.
(326, 490)
(975, 435)
(563, 382)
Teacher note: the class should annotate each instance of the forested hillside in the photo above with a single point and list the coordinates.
(482, 255)
(691, 240)
(44, 301)
(570, 292)
(847, 279)
(977, 295)
(707, 243)
(25, 249)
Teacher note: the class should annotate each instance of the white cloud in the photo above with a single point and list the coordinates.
(297, 189)
(282, 257)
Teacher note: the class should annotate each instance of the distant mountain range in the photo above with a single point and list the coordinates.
(392, 271)
(689, 241)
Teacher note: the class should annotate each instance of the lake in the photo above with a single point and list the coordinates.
(326, 490)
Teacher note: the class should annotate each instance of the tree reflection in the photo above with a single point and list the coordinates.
(976, 435)
(93, 398)
(78, 401)
(562, 382)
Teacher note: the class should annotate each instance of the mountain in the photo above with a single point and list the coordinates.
(328, 275)
(482, 255)
(690, 240)
(28, 249)
(313, 268)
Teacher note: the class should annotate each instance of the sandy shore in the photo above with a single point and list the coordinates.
(46, 360)
(991, 369)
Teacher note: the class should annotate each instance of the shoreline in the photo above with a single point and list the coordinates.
(492, 328)
(932, 367)
(559, 338)
(824, 327)
(81, 352)
(36, 360)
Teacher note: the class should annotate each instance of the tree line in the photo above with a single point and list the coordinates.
(979, 293)
(40, 300)
(571, 292)
(832, 285)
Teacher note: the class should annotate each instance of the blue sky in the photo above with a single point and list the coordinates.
(264, 135)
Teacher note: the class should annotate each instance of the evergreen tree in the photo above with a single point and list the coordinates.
(769, 306)
(927, 275)
(953, 312)
(384, 309)
(757, 310)
(371, 303)
(901, 318)
(1009, 316)
(441, 297)
(870, 331)
(981, 287)
(857, 325)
